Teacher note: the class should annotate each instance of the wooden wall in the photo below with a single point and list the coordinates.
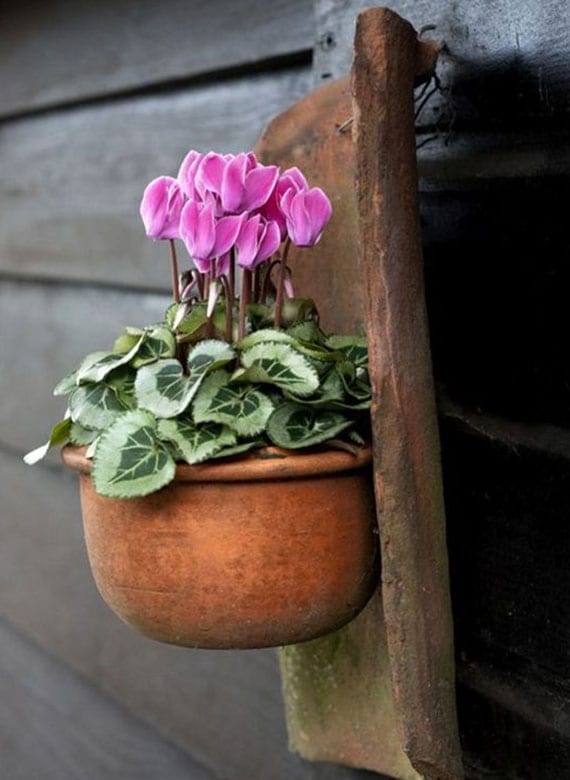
(494, 164)
(98, 98)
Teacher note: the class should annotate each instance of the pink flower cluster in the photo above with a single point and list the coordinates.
(219, 203)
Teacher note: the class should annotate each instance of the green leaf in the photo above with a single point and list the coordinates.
(280, 365)
(308, 332)
(239, 449)
(330, 393)
(241, 407)
(95, 406)
(163, 389)
(158, 344)
(207, 356)
(108, 362)
(66, 385)
(195, 443)
(130, 460)
(59, 435)
(80, 436)
(264, 336)
(125, 342)
(294, 425)
(354, 347)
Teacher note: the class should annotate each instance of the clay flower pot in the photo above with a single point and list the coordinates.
(260, 551)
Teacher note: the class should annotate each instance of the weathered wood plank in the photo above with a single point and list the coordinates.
(513, 727)
(505, 62)
(497, 276)
(55, 726)
(72, 181)
(46, 330)
(338, 691)
(407, 469)
(60, 52)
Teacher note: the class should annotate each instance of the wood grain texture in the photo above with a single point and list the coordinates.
(504, 62)
(66, 51)
(72, 181)
(56, 726)
(409, 495)
(35, 322)
(338, 691)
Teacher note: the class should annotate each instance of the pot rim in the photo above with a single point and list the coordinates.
(264, 464)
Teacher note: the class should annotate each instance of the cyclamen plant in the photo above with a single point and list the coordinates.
(223, 373)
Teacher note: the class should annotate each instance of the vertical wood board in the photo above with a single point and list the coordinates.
(408, 482)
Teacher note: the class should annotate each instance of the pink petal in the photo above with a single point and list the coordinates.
(210, 172)
(233, 181)
(227, 230)
(204, 266)
(259, 184)
(319, 209)
(269, 243)
(187, 173)
(247, 240)
(295, 177)
(223, 264)
(154, 203)
(197, 230)
(285, 202)
(298, 222)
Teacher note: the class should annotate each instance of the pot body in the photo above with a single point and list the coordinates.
(255, 553)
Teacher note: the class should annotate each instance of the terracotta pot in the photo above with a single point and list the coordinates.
(254, 552)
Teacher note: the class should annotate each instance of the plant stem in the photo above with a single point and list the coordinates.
(174, 268)
(280, 279)
(229, 309)
(243, 301)
(256, 285)
(232, 275)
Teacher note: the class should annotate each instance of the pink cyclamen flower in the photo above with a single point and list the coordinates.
(161, 206)
(187, 173)
(291, 179)
(238, 182)
(206, 236)
(306, 214)
(257, 241)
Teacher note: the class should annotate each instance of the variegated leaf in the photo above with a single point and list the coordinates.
(243, 408)
(130, 460)
(95, 406)
(294, 425)
(279, 365)
(195, 443)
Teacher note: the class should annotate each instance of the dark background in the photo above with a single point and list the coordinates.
(98, 98)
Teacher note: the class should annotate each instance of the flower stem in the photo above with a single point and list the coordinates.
(232, 275)
(174, 268)
(229, 308)
(243, 301)
(280, 280)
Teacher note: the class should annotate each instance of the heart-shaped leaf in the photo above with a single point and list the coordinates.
(241, 407)
(158, 343)
(95, 406)
(294, 425)
(166, 391)
(354, 347)
(130, 460)
(280, 365)
(107, 362)
(195, 443)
